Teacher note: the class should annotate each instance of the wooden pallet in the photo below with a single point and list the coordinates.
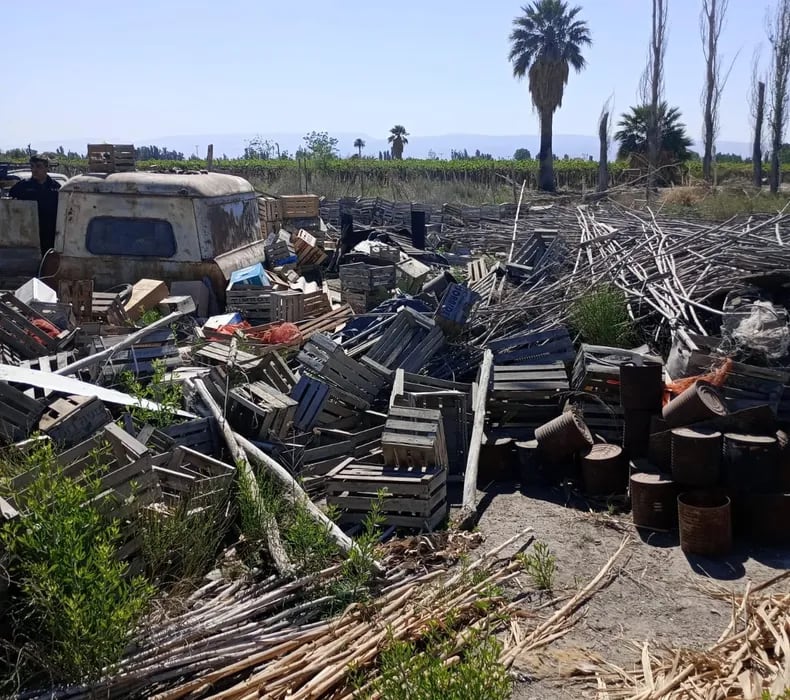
(73, 419)
(19, 413)
(409, 341)
(416, 496)
(269, 413)
(19, 332)
(327, 360)
(414, 437)
(452, 399)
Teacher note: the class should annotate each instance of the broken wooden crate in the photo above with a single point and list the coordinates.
(73, 419)
(534, 347)
(157, 346)
(307, 250)
(264, 411)
(414, 437)
(323, 405)
(20, 330)
(19, 413)
(198, 477)
(46, 363)
(416, 496)
(409, 341)
(452, 399)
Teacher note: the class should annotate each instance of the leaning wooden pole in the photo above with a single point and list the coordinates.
(249, 482)
(515, 223)
(469, 506)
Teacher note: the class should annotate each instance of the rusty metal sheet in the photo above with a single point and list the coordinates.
(18, 224)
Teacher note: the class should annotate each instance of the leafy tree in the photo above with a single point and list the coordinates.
(522, 154)
(259, 148)
(546, 42)
(320, 145)
(784, 153)
(632, 134)
(398, 140)
(157, 153)
(729, 158)
(359, 144)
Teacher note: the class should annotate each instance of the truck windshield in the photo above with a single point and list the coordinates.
(110, 235)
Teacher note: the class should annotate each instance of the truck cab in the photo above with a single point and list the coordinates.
(121, 227)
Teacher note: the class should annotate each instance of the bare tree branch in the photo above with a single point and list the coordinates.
(779, 102)
(653, 86)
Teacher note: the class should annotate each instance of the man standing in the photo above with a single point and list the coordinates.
(40, 188)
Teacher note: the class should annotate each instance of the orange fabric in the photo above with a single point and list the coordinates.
(717, 377)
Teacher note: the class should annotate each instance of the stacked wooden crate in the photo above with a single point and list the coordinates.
(269, 214)
(20, 331)
(251, 301)
(307, 250)
(280, 252)
(364, 286)
(110, 158)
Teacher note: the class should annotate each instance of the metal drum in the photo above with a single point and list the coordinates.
(530, 467)
(705, 523)
(564, 436)
(696, 457)
(636, 432)
(763, 517)
(654, 501)
(701, 401)
(751, 463)
(641, 386)
(604, 471)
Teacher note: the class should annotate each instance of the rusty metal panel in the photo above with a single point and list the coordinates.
(18, 224)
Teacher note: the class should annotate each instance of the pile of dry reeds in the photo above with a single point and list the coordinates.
(240, 642)
(750, 658)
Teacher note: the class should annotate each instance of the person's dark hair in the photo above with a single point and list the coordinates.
(39, 159)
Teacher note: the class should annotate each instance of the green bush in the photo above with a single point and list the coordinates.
(540, 565)
(168, 395)
(75, 606)
(601, 318)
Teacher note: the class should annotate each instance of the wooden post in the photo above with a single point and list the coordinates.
(210, 157)
(468, 515)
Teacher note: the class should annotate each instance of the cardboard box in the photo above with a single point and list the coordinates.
(146, 294)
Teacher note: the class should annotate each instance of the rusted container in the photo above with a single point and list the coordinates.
(641, 386)
(529, 463)
(659, 450)
(783, 447)
(604, 471)
(705, 523)
(654, 502)
(564, 436)
(636, 432)
(696, 457)
(763, 517)
(751, 463)
(497, 461)
(701, 401)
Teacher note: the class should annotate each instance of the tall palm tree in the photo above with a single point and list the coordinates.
(359, 144)
(398, 140)
(632, 135)
(546, 43)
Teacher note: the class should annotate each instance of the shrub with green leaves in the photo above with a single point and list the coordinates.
(169, 396)
(76, 606)
(601, 318)
(540, 565)
(409, 673)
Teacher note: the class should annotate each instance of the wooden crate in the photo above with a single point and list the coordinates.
(276, 373)
(409, 342)
(199, 435)
(362, 302)
(414, 437)
(252, 302)
(307, 250)
(269, 413)
(46, 363)
(534, 347)
(416, 496)
(19, 332)
(188, 473)
(452, 399)
(110, 158)
(157, 346)
(108, 308)
(363, 277)
(320, 404)
(299, 206)
(327, 360)
(73, 419)
(316, 304)
(411, 276)
(287, 306)
(19, 414)
(455, 308)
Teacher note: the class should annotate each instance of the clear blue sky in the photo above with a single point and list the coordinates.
(129, 71)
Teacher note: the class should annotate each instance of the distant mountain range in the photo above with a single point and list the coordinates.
(232, 145)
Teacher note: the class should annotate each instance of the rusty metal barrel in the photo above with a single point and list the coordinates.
(763, 517)
(700, 402)
(636, 432)
(604, 471)
(641, 386)
(529, 463)
(705, 523)
(696, 456)
(564, 436)
(654, 501)
(497, 460)
(751, 463)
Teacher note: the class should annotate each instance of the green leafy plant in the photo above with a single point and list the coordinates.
(75, 606)
(147, 317)
(179, 543)
(169, 396)
(410, 673)
(540, 565)
(601, 318)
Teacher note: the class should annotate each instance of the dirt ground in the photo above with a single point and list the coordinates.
(655, 598)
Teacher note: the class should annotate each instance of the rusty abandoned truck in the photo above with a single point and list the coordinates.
(120, 227)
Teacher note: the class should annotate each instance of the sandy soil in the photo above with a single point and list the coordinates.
(656, 597)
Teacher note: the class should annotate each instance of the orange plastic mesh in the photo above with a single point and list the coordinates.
(717, 377)
(281, 334)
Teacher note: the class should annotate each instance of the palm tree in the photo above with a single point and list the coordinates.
(398, 140)
(674, 144)
(546, 42)
(359, 144)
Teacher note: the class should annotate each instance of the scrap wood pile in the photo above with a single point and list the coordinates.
(239, 641)
(750, 659)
